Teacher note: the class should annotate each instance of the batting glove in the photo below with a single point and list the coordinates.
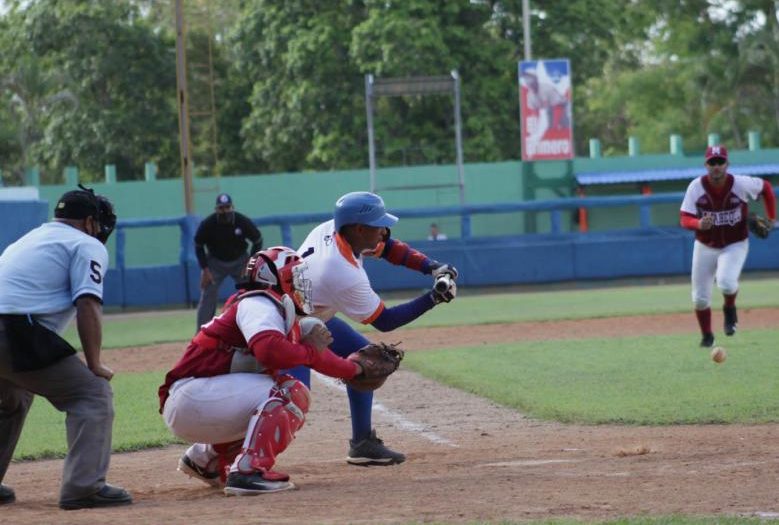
(440, 269)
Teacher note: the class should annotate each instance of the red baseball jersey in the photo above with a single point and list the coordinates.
(726, 205)
(222, 345)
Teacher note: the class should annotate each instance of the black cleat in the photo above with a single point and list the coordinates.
(372, 451)
(193, 470)
(7, 495)
(707, 341)
(731, 319)
(108, 496)
(253, 484)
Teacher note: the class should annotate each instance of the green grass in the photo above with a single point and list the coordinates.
(135, 330)
(137, 423)
(640, 380)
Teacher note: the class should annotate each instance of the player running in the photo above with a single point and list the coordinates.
(715, 207)
(334, 252)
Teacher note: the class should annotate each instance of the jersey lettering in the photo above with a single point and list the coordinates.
(721, 218)
(95, 273)
(307, 252)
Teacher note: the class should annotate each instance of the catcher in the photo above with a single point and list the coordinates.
(715, 208)
(226, 394)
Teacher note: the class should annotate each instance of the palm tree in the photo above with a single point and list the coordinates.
(32, 92)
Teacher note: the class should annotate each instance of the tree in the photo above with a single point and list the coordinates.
(119, 71)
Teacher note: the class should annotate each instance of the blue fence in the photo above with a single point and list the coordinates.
(538, 258)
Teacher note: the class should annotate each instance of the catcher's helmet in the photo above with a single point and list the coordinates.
(282, 270)
(362, 207)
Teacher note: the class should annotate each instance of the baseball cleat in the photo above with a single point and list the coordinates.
(253, 484)
(193, 470)
(372, 451)
(707, 341)
(731, 319)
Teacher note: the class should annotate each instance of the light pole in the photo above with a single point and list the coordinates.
(526, 29)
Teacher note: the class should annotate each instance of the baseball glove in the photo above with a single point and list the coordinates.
(758, 225)
(378, 362)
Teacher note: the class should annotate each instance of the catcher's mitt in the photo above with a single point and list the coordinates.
(758, 225)
(378, 362)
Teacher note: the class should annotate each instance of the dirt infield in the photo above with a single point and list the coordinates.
(468, 459)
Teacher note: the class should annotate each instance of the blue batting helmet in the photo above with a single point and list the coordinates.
(362, 207)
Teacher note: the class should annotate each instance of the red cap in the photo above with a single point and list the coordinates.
(713, 152)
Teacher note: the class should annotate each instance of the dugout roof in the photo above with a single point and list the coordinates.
(617, 177)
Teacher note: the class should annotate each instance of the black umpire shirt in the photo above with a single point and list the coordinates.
(226, 242)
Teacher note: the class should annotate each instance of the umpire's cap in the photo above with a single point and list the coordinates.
(77, 204)
(83, 203)
(362, 207)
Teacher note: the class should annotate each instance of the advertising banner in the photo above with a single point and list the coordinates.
(545, 109)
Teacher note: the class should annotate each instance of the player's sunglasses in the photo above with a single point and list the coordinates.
(716, 161)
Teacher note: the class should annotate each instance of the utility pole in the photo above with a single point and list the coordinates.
(185, 145)
(526, 29)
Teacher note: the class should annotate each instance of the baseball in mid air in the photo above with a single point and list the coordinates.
(718, 354)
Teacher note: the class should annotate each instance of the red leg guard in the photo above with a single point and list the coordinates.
(272, 428)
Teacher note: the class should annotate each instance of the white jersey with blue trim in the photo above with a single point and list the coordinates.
(44, 272)
(338, 280)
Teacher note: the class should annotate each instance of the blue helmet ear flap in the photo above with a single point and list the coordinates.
(362, 207)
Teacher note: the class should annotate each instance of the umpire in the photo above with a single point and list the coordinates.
(52, 273)
(223, 234)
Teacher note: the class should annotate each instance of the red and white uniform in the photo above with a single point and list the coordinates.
(721, 250)
(229, 368)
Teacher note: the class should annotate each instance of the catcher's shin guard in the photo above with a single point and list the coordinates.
(272, 428)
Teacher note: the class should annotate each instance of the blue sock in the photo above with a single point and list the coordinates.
(346, 341)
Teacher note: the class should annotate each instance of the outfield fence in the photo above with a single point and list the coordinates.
(552, 256)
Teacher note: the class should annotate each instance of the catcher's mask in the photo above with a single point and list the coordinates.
(83, 203)
(281, 269)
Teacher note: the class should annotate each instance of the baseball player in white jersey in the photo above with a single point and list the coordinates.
(334, 254)
(227, 395)
(715, 208)
(47, 277)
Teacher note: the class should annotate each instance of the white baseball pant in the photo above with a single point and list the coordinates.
(215, 409)
(723, 264)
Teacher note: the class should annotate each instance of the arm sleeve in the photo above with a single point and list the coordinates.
(253, 234)
(689, 221)
(401, 254)
(275, 351)
(402, 314)
(769, 199)
(200, 245)
(87, 270)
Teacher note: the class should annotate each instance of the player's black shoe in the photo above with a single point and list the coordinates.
(253, 484)
(731, 319)
(7, 495)
(372, 451)
(707, 341)
(193, 470)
